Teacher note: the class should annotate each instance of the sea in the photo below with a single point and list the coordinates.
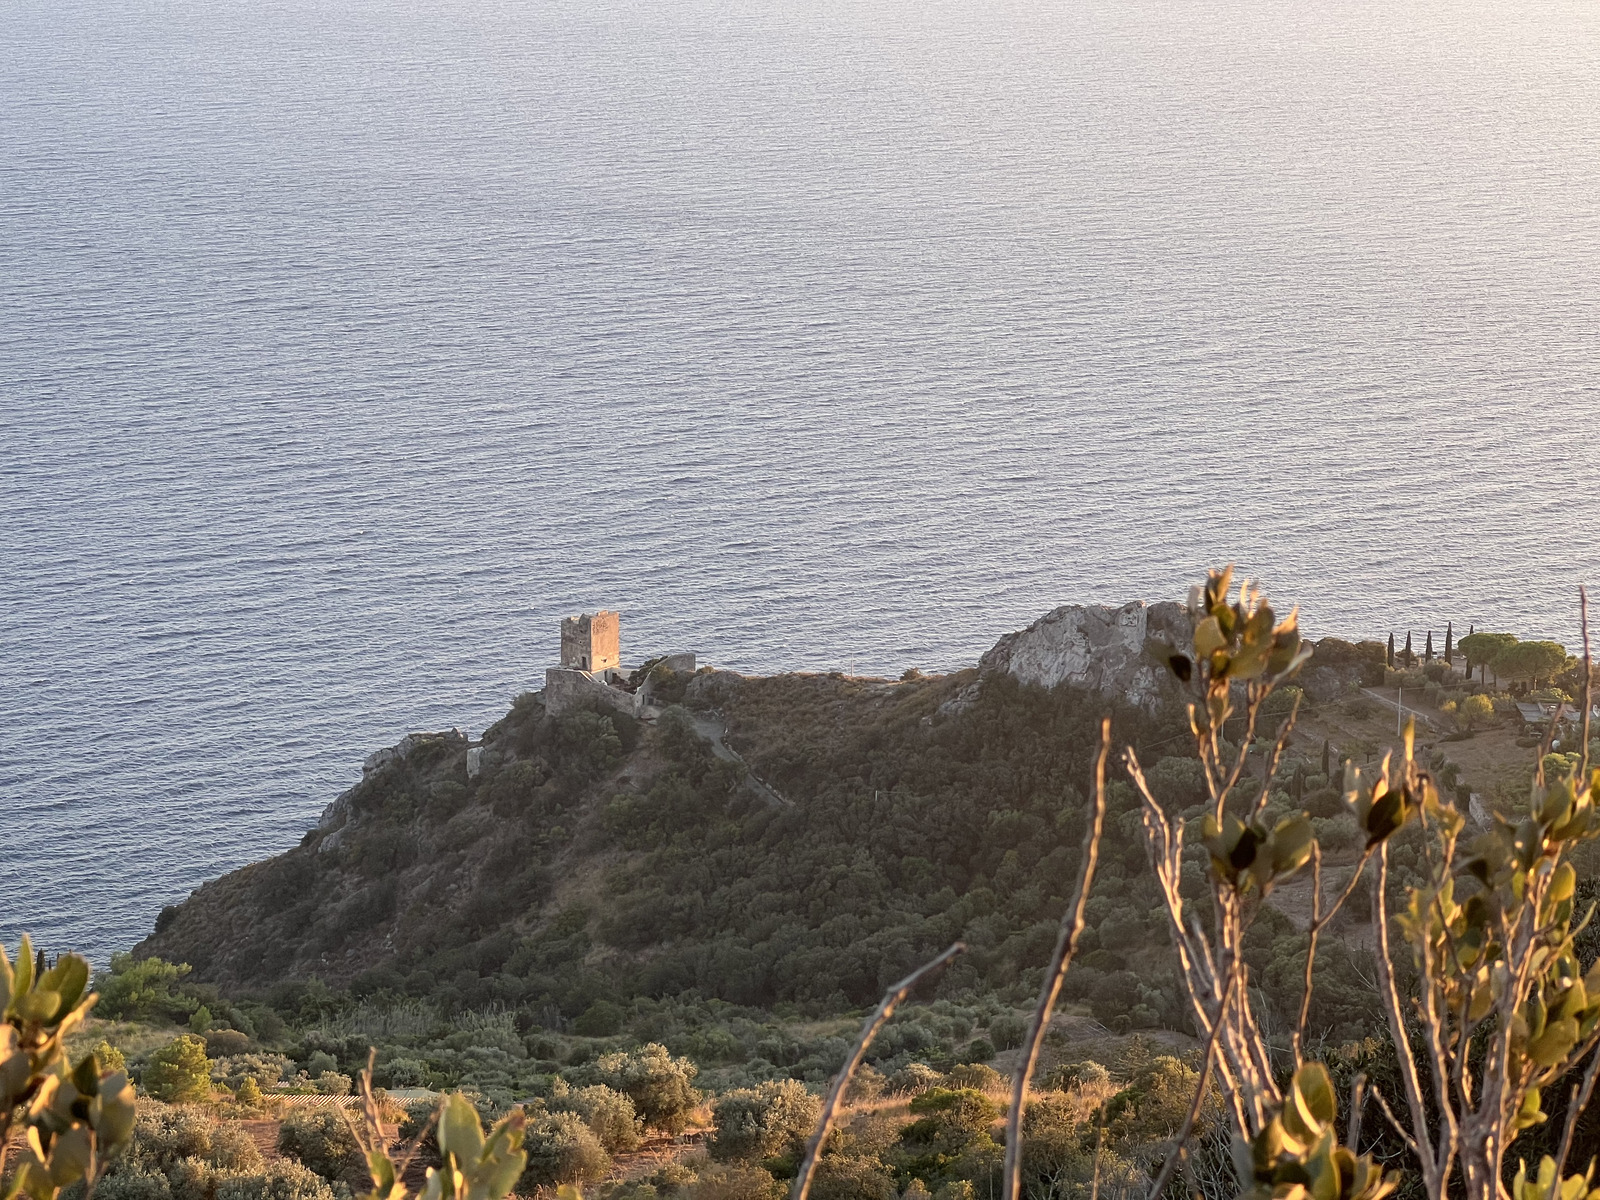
(347, 345)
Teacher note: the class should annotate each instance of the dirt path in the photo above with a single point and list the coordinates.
(715, 732)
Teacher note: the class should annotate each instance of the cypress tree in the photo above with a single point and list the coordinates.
(1325, 759)
(1449, 641)
(1427, 651)
(1391, 651)
(1410, 658)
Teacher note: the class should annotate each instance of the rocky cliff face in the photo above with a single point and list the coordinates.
(1120, 652)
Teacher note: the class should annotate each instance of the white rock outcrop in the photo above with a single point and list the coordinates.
(1117, 652)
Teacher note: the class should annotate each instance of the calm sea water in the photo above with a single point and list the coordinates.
(345, 347)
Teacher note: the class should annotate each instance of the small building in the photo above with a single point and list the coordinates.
(591, 667)
(592, 643)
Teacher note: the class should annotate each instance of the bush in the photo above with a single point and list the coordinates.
(771, 1120)
(249, 1093)
(561, 1150)
(178, 1153)
(853, 1178)
(319, 1061)
(866, 1084)
(600, 1019)
(280, 1181)
(402, 1073)
(332, 1083)
(164, 1136)
(660, 1086)
(108, 1056)
(1324, 802)
(179, 1072)
(263, 1068)
(978, 1077)
(419, 1115)
(321, 1141)
(609, 1114)
(1475, 711)
(913, 1079)
(129, 1180)
(736, 1181)
(221, 1043)
(143, 990)
(981, 1049)
(1007, 1030)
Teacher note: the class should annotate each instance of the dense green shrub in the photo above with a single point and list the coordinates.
(320, 1140)
(284, 1180)
(1008, 1029)
(143, 990)
(770, 1120)
(913, 1079)
(735, 1181)
(180, 1153)
(223, 1043)
(660, 1085)
(600, 1019)
(108, 1056)
(263, 1068)
(952, 1138)
(179, 1072)
(561, 1149)
(851, 1178)
(608, 1113)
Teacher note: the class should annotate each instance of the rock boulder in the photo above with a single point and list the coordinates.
(1116, 652)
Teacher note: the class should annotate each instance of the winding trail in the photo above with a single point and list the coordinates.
(710, 727)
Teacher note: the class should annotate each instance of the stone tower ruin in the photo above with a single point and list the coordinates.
(592, 643)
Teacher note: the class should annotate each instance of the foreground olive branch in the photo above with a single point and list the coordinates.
(1066, 948)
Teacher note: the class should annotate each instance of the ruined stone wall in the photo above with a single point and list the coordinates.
(565, 690)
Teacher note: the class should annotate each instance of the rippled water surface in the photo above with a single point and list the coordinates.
(344, 347)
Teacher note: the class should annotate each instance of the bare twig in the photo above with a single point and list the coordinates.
(1164, 1176)
(1398, 1128)
(1358, 1101)
(830, 1107)
(1270, 766)
(368, 1132)
(1588, 672)
(1066, 947)
(1575, 1105)
(1390, 995)
(1311, 954)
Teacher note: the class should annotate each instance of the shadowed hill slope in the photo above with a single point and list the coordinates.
(595, 855)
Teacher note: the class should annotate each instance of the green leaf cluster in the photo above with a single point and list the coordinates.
(1241, 640)
(1250, 855)
(74, 1117)
(1297, 1156)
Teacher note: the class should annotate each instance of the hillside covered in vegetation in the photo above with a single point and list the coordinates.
(598, 861)
(635, 929)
